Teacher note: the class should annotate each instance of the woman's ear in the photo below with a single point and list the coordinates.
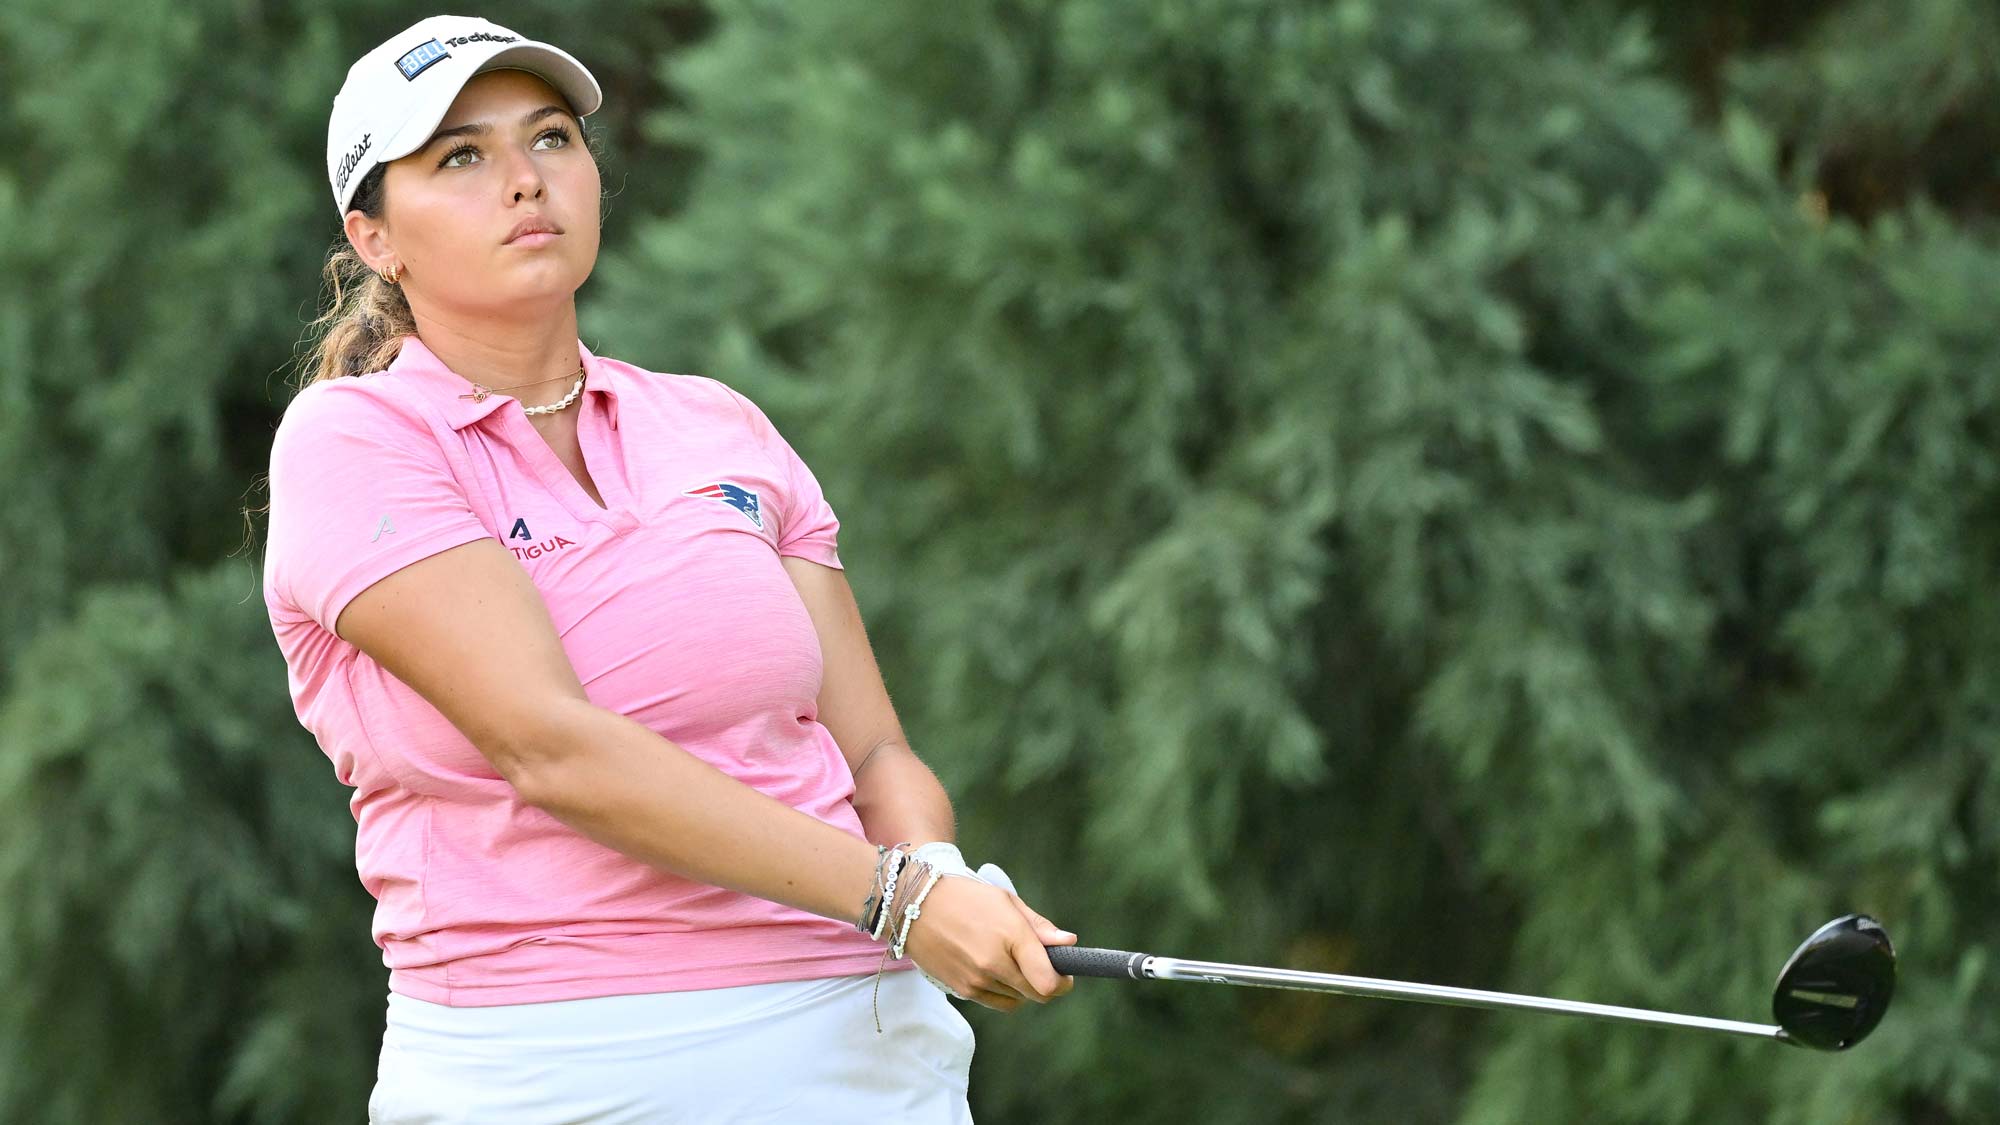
(369, 241)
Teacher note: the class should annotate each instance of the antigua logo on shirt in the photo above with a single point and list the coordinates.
(534, 550)
(734, 495)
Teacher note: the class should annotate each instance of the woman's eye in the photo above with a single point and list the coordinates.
(464, 155)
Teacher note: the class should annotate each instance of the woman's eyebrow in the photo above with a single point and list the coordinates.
(480, 128)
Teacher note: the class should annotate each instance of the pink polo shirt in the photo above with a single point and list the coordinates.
(675, 612)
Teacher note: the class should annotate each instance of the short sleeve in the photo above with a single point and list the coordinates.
(359, 490)
(807, 527)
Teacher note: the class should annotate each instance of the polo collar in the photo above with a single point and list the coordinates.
(451, 393)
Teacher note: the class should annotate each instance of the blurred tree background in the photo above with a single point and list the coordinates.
(1492, 492)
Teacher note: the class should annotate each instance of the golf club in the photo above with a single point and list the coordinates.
(1829, 995)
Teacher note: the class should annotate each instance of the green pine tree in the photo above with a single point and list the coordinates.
(1494, 492)
(183, 938)
(1312, 471)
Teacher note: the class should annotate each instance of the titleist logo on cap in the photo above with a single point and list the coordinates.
(348, 162)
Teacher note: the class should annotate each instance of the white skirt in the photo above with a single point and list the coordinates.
(787, 1052)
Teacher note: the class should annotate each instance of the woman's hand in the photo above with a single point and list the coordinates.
(986, 945)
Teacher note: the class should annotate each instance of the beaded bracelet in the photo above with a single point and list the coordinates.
(888, 893)
(914, 911)
(878, 899)
(908, 882)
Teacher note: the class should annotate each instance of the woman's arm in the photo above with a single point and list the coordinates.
(896, 795)
(467, 630)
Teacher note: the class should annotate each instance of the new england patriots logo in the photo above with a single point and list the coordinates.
(734, 495)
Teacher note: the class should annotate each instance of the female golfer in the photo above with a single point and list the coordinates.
(642, 827)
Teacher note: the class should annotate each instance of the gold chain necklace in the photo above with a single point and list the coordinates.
(481, 390)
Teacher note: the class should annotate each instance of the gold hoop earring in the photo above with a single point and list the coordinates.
(393, 274)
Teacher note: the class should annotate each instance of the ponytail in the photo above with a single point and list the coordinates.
(366, 318)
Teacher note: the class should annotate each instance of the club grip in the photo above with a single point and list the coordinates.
(1084, 961)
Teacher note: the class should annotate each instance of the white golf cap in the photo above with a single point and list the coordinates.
(395, 96)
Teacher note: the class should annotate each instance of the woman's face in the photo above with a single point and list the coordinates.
(507, 152)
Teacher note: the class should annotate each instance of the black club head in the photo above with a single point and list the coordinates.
(1837, 985)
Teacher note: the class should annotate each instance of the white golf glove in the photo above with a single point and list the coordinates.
(945, 857)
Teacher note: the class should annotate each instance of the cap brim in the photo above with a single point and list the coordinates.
(552, 64)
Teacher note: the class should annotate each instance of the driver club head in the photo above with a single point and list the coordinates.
(1836, 986)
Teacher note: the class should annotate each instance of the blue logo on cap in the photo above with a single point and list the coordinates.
(417, 61)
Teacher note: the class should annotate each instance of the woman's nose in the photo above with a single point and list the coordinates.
(524, 177)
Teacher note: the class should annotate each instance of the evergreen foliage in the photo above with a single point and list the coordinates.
(1492, 492)
(1378, 486)
(183, 936)
(180, 939)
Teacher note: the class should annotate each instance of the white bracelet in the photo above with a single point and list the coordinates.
(888, 893)
(912, 912)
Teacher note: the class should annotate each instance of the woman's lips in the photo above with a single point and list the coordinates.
(533, 231)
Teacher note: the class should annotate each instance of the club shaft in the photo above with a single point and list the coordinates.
(1174, 968)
